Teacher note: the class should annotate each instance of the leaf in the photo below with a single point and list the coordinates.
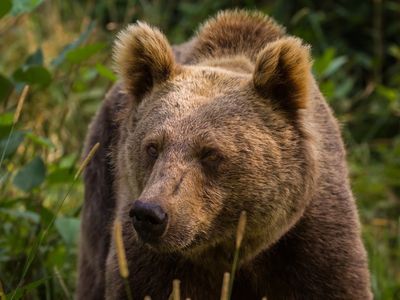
(64, 171)
(387, 93)
(68, 161)
(27, 215)
(76, 43)
(13, 143)
(5, 7)
(19, 292)
(83, 53)
(33, 75)
(40, 140)
(6, 88)
(35, 58)
(31, 175)
(106, 72)
(46, 216)
(68, 229)
(60, 176)
(335, 65)
(322, 63)
(24, 6)
(6, 119)
(343, 89)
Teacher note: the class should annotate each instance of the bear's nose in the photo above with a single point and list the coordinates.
(149, 220)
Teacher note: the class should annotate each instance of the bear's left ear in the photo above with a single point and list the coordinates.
(283, 73)
(143, 58)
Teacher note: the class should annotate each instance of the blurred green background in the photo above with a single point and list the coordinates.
(61, 49)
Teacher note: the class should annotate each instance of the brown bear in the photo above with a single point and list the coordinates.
(230, 121)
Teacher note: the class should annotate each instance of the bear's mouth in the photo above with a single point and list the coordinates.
(168, 243)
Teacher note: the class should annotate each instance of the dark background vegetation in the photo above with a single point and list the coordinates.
(62, 50)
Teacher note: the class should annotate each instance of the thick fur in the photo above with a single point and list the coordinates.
(281, 64)
(143, 57)
(239, 124)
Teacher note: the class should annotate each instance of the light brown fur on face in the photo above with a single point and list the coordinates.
(237, 123)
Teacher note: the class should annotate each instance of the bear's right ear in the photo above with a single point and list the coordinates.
(143, 58)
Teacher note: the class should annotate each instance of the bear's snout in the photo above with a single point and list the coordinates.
(149, 220)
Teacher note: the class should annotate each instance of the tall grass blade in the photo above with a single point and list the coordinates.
(17, 113)
(44, 233)
(62, 283)
(119, 243)
(239, 238)
(20, 103)
(225, 286)
(121, 256)
(88, 158)
(176, 289)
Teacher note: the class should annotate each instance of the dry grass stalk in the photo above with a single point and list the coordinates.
(264, 298)
(176, 289)
(121, 256)
(20, 104)
(88, 158)
(119, 243)
(147, 298)
(239, 238)
(240, 229)
(225, 286)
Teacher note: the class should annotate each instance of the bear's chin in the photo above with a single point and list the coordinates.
(163, 245)
(186, 247)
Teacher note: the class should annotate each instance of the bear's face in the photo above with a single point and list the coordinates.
(203, 143)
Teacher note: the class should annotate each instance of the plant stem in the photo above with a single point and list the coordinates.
(128, 289)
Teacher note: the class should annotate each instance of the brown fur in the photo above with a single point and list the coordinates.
(239, 124)
(281, 64)
(143, 57)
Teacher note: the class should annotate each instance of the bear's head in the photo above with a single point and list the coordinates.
(202, 142)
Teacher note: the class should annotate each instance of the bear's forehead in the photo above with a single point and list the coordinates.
(203, 80)
(198, 101)
(200, 114)
(187, 108)
(196, 87)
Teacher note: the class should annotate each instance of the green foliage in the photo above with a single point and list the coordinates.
(31, 175)
(6, 87)
(83, 53)
(68, 229)
(5, 7)
(33, 75)
(24, 6)
(8, 145)
(62, 50)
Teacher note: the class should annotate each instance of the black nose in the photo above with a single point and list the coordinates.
(149, 220)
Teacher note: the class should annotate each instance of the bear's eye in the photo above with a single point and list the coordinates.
(210, 157)
(152, 151)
